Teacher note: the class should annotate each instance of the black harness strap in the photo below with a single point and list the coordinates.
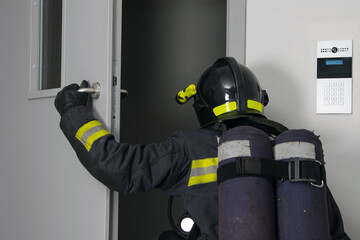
(294, 170)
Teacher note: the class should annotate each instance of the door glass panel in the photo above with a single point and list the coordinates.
(49, 75)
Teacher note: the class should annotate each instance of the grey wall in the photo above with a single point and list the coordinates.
(281, 42)
(166, 45)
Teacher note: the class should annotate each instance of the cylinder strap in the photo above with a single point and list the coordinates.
(294, 170)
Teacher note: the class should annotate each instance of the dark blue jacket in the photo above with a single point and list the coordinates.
(184, 165)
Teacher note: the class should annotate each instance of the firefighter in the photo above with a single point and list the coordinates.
(184, 165)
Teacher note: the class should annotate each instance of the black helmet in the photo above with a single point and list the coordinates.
(226, 90)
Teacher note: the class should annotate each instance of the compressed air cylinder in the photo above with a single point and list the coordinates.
(301, 207)
(246, 203)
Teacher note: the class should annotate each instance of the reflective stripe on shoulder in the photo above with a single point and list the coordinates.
(203, 171)
(90, 132)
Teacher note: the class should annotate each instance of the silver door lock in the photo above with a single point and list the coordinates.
(94, 90)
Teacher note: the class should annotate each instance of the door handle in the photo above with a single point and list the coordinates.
(123, 93)
(94, 90)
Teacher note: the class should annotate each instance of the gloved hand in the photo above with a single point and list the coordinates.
(69, 97)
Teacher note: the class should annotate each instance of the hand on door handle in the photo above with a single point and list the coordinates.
(69, 97)
(94, 90)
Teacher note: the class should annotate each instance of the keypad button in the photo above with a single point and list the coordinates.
(334, 93)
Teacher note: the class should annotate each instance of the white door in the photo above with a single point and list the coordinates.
(88, 48)
(88, 55)
(45, 193)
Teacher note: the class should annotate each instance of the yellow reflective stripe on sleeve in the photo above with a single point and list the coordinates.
(95, 137)
(201, 163)
(255, 105)
(203, 171)
(224, 108)
(90, 132)
(86, 127)
(202, 179)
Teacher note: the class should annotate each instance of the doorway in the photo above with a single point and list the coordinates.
(166, 45)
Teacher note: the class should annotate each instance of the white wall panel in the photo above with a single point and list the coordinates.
(281, 41)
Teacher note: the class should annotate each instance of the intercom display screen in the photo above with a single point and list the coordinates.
(334, 62)
(334, 67)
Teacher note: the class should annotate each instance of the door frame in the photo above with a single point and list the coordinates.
(116, 100)
(236, 29)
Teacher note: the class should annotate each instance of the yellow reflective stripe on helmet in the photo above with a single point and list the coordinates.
(203, 171)
(224, 108)
(90, 132)
(255, 105)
